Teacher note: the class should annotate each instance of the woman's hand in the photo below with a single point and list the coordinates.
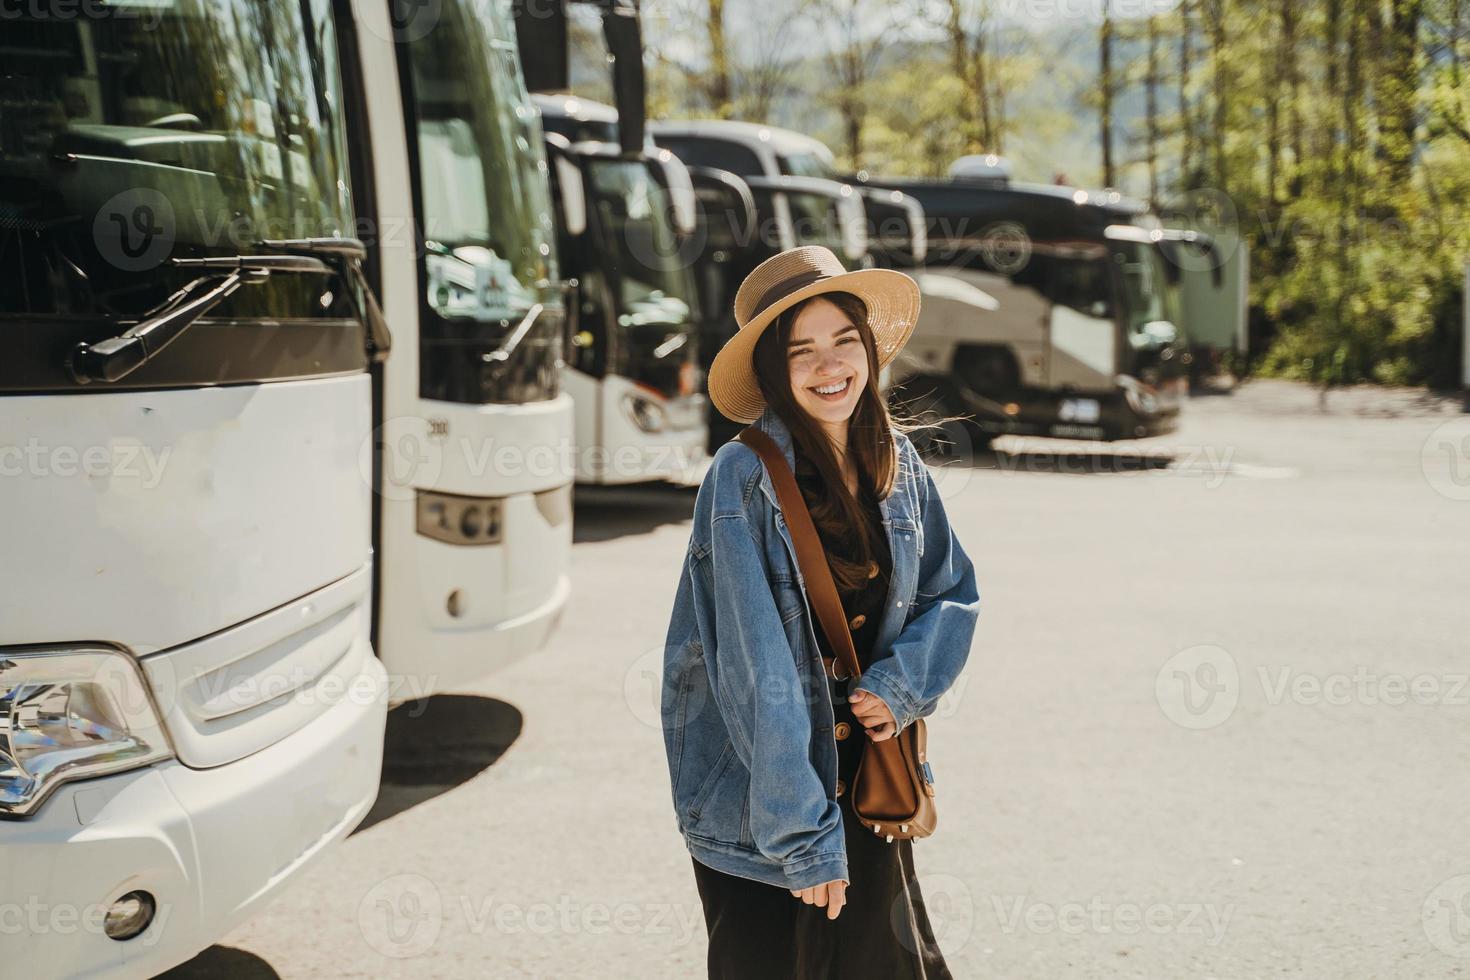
(876, 718)
(831, 895)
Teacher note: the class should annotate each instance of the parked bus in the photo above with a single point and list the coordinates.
(194, 708)
(633, 369)
(1043, 311)
(790, 176)
(193, 711)
(794, 203)
(476, 522)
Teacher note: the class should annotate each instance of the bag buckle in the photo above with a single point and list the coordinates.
(927, 772)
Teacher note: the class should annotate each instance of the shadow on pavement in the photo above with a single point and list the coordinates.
(222, 963)
(435, 744)
(605, 513)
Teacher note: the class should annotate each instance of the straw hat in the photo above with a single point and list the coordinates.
(782, 281)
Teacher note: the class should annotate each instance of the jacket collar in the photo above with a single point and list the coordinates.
(772, 425)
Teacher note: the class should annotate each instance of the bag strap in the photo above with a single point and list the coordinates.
(810, 555)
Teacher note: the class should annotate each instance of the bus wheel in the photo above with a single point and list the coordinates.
(989, 371)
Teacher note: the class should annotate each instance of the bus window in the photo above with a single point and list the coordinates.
(807, 165)
(814, 220)
(122, 145)
(652, 286)
(701, 151)
(1142, 283)
(1081, 285)
(485, 212)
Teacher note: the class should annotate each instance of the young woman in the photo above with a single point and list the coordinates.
(762, 739)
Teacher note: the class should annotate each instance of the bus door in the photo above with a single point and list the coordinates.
(1082, 345)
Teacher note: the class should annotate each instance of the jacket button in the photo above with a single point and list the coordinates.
(841, 787)
(842, 730)
(857, 621)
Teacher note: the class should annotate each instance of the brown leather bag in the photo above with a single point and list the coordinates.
(893, 791)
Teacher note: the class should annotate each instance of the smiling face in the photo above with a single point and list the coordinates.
(828, 362)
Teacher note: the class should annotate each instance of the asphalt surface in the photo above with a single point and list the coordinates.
(1215, 724)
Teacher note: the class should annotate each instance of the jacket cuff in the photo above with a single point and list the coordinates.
(875, 682)
(817, 869)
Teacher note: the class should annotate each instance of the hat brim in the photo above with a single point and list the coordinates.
(892, 299)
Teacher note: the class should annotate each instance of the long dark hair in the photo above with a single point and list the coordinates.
(837, 514)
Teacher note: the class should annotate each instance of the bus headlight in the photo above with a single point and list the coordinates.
(646, 413)
(1140, 397)
(68, 714)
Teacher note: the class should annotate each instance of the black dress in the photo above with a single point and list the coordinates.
(759, 931)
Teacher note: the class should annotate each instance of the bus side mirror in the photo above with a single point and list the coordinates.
(852, 218)
(573, 191)
(573, 196)
(673, 176)
(725, 207)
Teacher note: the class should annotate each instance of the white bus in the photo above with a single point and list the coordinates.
(192, 711)
(193, 418)
(476, 522)
(633, 367)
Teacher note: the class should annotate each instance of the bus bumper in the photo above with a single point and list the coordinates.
(211, 846)
(1113, 415)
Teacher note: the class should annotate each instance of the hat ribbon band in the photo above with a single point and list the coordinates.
(785, 288)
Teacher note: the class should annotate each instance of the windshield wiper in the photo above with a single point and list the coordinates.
(352, 252)
(117, 357)
(501, 354)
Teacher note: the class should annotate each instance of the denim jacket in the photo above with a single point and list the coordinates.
(746, 710)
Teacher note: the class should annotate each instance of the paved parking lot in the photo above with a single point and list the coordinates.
(1216, 723)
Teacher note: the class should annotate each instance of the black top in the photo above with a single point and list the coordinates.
(863, 609)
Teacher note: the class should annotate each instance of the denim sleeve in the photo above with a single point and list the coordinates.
(753, 677)
(930, 652)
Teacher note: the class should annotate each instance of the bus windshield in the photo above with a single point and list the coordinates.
(807, 165)
(166, 128)
(486, 213)
(653, 287)
(1142, 282)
